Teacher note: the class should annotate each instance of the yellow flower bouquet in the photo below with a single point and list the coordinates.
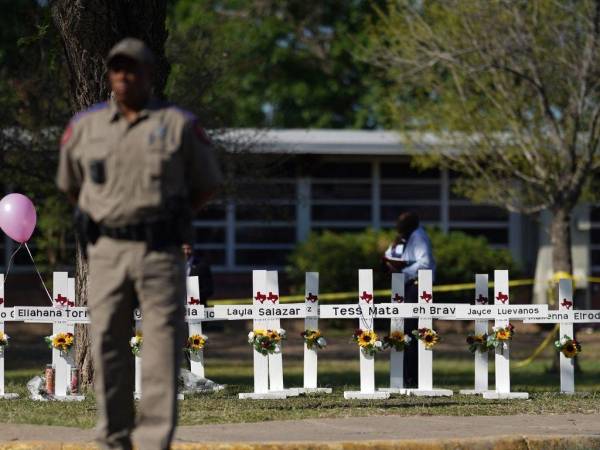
(500, 337)
(3, 339)
(136, 343)
(568, 346)
(368, 341)
(428, 336)
(195, 344)
(313, 339)
(61, 341)
(396, 340)
(477, 342)
(266, 341)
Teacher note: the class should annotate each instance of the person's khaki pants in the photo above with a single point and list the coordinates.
(121, 272)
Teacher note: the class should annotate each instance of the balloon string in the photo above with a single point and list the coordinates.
(39, 274)
(10, 262)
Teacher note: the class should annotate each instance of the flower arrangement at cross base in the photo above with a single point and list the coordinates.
(61, 341)
(267, 341)
(136, 343)
(313, 339)
(195, 344)
(478, 342)
(500, 337)
(428, 336)
(3, 339)
(368, 341)
(397, 340)
(568, 346)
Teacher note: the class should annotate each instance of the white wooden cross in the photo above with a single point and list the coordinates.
(566, 316)
(502, 352)
(425, 296)
(137, 391)
(6, 314)
(265, 313)
(311, 322)
(195, 326)
(367, 361)
(63, 295)
(397, 357)
(481, 328)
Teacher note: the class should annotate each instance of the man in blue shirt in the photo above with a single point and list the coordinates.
(409, 253)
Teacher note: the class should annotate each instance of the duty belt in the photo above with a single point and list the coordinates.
(157, 233)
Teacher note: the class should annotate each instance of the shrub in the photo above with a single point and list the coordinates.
(338, 256)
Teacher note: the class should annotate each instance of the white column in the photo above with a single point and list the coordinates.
(60, 289)
(311, 322)
(2, 330)
(425, 356)
(138, 365)
(275, 359)
(367, 362)
(567, 365)
(481, 327)
(196, 358)
(396, 357)
(502, 353)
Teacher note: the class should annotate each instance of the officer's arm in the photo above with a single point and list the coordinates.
(69, 176)
(203, 176)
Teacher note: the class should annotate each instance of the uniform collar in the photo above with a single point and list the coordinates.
(115, 113)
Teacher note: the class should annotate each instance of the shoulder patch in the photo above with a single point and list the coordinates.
(201, 134)
(66, 134)
(94, 108)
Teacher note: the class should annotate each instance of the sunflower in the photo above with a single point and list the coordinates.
(367, 338)
(503, 334)
(3, 339)
(568, 346)
(569, 350)
(61, 341)
(430, 338)
(196, 342)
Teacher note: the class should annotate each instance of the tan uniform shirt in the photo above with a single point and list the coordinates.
(126, 173)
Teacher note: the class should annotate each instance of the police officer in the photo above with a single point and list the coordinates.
(137, 168)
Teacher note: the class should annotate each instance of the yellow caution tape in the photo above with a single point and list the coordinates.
(540, 348)
(334, 296)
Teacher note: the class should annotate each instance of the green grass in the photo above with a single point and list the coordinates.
(224, 406)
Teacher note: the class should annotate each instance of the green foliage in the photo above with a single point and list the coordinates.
(337, 257)
(284, 63)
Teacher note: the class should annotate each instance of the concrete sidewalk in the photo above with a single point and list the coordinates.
(393, 432)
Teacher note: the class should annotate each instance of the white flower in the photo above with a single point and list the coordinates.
(321, 342)
(277, 349)
(281, 332)
(250, 336)
(564, 340)
(378, 344)
(407, 339)
(133, 341)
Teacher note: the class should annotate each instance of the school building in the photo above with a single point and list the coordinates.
(291, 182)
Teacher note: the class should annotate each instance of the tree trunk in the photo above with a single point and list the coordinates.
(560, 237)
(562, 261)
(88, 30)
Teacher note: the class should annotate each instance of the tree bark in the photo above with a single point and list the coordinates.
(88, 30)
(560, 237)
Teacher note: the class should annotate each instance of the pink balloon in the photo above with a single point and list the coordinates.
(17, 217)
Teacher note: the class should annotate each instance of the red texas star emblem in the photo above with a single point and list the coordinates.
(482, 300)
(502, 297)
(566, 304)
(312, 298)
(398, 298)
(273, 297)
(194, 301)
(63, 301)
(366, 297)
(426, 296)
(260, 297)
